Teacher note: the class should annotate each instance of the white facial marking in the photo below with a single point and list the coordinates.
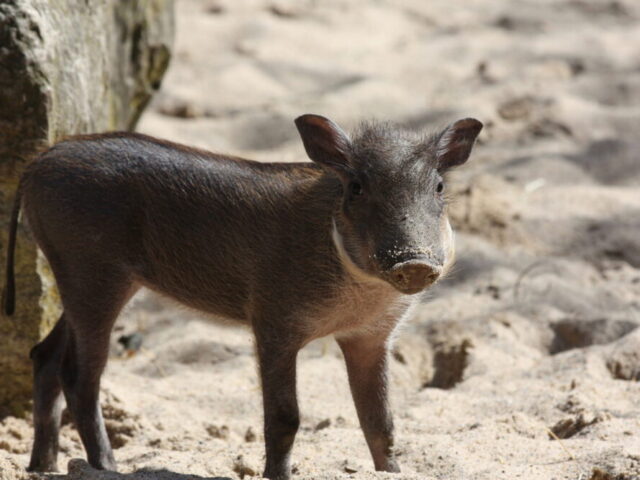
(449, 248)
(349, 265)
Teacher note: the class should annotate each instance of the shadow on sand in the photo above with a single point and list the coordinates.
(80, 470)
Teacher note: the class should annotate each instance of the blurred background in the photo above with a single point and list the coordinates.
(525, 362)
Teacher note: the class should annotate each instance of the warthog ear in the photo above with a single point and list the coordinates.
(454, 144)
(325, 142)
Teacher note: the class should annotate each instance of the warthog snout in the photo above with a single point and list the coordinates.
(415, 275)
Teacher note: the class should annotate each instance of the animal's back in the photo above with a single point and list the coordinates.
(140, 162)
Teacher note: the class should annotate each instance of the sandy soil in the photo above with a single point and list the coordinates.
(533, 338)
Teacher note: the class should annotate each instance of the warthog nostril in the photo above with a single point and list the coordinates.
(414, 275)
(399, 277)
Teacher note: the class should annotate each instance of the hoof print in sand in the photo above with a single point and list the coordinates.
(599, 474)
(451, 352)
(569, 427)
(221, 432)
(250, 435)
(450, 362)
(577, 333)
(624, 360)
(244, 468)
(121, 426)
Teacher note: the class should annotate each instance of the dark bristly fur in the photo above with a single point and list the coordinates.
(9, 291)
(295, 251)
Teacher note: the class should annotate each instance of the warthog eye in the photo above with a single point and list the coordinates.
(440, 187)
(355, 188)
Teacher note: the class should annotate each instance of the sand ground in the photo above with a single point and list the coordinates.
(535, 332)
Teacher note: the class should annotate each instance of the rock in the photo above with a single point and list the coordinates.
(131, 343)
(66, 67)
